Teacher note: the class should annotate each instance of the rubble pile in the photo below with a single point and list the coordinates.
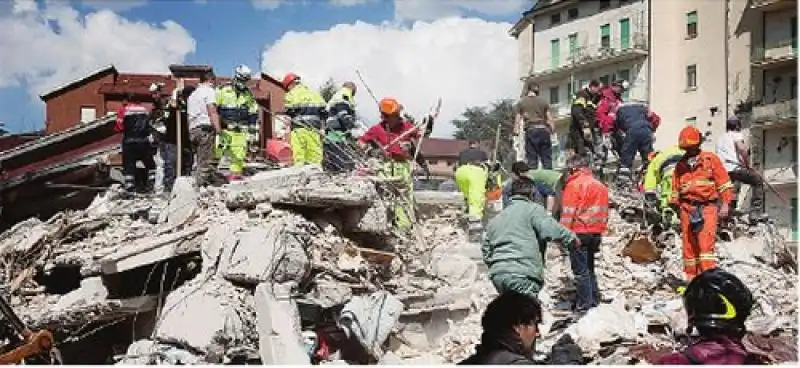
(295, 266)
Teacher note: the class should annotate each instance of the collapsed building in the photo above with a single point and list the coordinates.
(294, 266)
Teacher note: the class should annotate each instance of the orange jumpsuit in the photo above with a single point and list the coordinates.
(704, 184)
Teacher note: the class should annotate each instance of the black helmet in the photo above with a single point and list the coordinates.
(717, 301)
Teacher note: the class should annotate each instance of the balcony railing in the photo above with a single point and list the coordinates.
(775, 113)
(592, 55)
(785, 50)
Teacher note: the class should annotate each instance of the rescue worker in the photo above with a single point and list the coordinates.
(169, 140)
(397, 153)
(533, 116)
(717, 304)
(510, 328)
(638, 123)
(583, 127)
(698, 184)
(521, 170)
(471, 177)
(133, 121)
(337, 155)
(584, 211)
(658, 182)
(238, 114)
(735, 155)
(605, 117)
(201, 110)
(515, 242)
(306, 107)
(548, 184)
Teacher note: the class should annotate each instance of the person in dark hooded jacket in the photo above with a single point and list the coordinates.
(510, 328)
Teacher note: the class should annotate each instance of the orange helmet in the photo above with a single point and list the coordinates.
(288, 79)
(689, 138)
(389, 106)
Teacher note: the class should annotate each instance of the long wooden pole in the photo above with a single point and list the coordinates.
(179, 128)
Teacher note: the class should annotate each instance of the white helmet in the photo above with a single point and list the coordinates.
(242, 73)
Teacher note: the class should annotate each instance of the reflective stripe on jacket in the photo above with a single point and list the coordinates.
(584, 206)
(304, 103)
(707, 181)
(133, 120)
(235, 106)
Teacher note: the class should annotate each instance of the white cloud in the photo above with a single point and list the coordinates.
(347, 3)
(435, 9)
(468, 62)
(267, 4)
(274, 4)
(55, 44)
(115, 5)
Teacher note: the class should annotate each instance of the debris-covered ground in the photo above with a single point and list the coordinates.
(295, 266)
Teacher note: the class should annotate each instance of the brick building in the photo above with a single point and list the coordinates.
(442, 154)
(102, 92)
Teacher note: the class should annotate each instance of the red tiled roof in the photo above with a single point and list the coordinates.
(139, 84)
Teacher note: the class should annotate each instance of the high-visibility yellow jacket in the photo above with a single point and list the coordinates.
(660, 166)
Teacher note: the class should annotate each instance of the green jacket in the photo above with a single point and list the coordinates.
(515, 239)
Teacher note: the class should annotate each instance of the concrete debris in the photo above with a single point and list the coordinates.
(295, 266)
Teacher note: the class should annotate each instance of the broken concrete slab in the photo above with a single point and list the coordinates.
(278, 321)
(91, 289)
(604, 323)
(218, 245)
(200, 313)
(270, 253)
(455, 269)
(370, 319)
(149, 250)
(182, 203)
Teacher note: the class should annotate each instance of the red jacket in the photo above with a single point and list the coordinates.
(584, 206)
(130, 108)
(381, 134)
(721, 350)
(606, 110)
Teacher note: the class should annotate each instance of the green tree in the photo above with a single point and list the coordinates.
(480, 123)
(328, 89)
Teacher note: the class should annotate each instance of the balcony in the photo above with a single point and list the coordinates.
(778, 114)
(591, 57)
(774, 56)
(772, 5)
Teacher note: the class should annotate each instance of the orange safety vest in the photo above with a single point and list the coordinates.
(706, 182)
(584, 205)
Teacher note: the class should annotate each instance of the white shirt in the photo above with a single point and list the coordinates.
(197, 105)
(726, 149)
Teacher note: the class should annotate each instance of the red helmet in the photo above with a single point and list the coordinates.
(289, 78)
(689, 137)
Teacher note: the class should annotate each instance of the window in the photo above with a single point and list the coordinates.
(573, 45)
(605, 36)
(624, 33)
(572, 13)
(554, 95)
(88, 113)
(582, 83)
(433, 162)
(793, 88)
(625, 75)
(794, 35)
(555, 19)
(570, 91)
(605, 79)
(691, 76)
(555, 51)
(691, 121)
(605, 4)
(691, 25)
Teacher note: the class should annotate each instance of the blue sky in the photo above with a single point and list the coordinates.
(73, 38)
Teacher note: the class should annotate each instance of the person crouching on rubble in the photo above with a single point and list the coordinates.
(510, 328)
(699, 183)
(658, 182)
(717, 304)
(515, 241)
(520, 170)
(471, 176)
(584, 211)
(398, 153)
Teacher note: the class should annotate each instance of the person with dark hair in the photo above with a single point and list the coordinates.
(544, 181)
(582, 130)
(513, 248)
(717, 304)
(584, 210)
(735, 155)
(510, 328)
(533, 116)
